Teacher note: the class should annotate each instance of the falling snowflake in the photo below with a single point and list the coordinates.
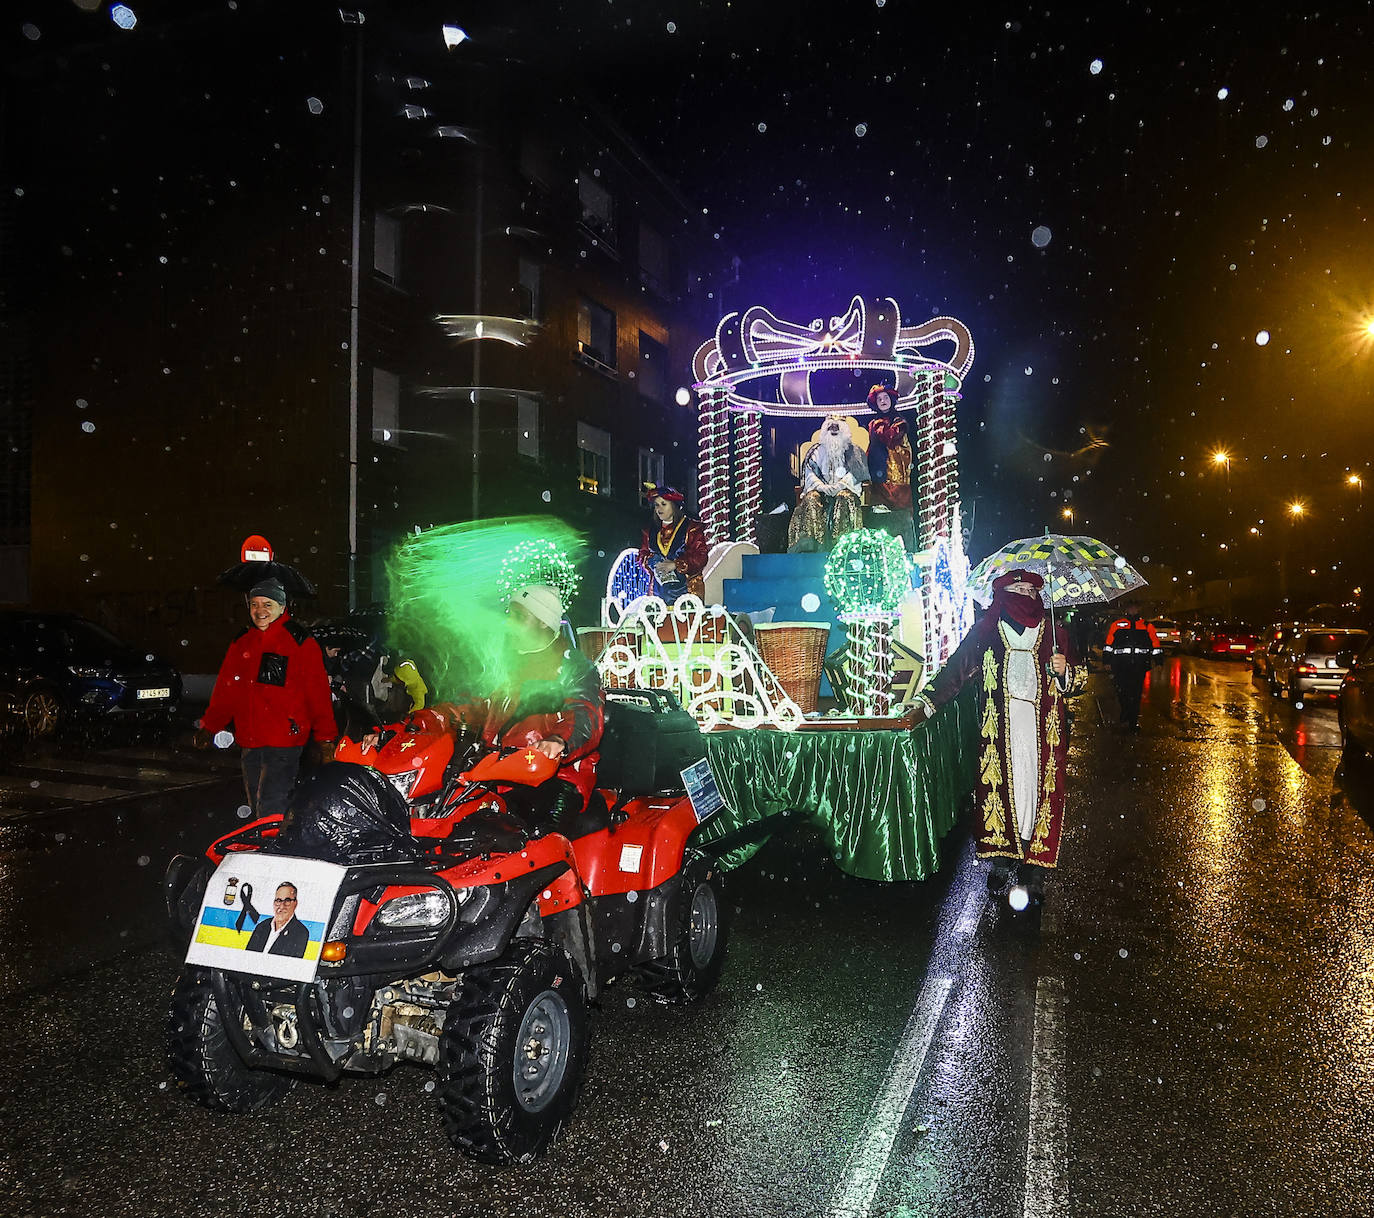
(1095, 67)
(314, 105)
(1040, 236)
(1262, 338)
(861, 130)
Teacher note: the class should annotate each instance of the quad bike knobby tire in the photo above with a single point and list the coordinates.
(512, 1053)
(205, 1064)
(696, 937)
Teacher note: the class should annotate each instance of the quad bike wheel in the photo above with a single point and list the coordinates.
(512, 1054)
(697, 931)
(205, 1064)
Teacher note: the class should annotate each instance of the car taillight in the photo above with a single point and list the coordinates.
(1307, 668)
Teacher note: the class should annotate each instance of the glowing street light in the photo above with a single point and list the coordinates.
(1297, 509)
(1355, 480)
(1221, 457)
(1068, 514)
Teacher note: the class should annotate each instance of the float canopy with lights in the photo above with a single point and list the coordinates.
(758, 364)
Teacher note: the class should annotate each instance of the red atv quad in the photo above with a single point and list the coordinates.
(459, 936)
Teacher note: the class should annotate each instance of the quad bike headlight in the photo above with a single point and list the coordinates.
(404, 783)
(417, 909)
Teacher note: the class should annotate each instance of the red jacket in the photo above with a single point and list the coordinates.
(272, 687)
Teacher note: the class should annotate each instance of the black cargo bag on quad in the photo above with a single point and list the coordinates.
(647, 743)
(346, 813)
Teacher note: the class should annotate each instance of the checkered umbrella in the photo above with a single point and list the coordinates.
(1077, 570)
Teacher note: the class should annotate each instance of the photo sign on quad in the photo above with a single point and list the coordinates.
(266, 914)
(702, 790)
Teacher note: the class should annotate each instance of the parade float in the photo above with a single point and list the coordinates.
(749, 660)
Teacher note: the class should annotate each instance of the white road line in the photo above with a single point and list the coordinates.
(1047, 1131)
(974, 905)
(868, 1159)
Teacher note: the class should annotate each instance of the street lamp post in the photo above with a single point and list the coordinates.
(1222, 458)
(1296, 511)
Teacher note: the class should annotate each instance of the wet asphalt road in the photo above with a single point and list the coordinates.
(1185, 1030)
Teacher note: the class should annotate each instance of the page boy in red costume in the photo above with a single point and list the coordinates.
(672, 550)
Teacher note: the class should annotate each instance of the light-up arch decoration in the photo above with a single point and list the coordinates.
(699, 653)
(758, 363)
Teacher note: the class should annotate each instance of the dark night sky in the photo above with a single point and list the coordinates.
(903, 149)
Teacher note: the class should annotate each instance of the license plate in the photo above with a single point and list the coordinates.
(1237, 646)
(164, 692)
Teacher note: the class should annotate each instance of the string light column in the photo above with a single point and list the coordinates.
(713, 468)
(748, 474)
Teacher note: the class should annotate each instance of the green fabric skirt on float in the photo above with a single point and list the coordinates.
(883, 800)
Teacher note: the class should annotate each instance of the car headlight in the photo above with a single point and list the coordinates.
(417, 909)
(87, 671)
(404, 782)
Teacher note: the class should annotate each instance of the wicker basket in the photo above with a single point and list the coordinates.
(593, 640)
(795, 651)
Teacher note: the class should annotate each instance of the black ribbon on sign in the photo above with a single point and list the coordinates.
(246, 896)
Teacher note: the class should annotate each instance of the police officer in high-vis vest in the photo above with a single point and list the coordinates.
(1130, 649)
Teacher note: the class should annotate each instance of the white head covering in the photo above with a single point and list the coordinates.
(542, 603)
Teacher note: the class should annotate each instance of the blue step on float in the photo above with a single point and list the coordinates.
(783, 583)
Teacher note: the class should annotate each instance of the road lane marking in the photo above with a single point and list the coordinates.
(974, 905)
(1046, 1194)
(868, 1160)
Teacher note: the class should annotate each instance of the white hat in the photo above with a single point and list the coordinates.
(542, 603)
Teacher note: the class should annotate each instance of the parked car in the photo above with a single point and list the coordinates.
(1229, 641)
(59, 668)
(1168, 632)
(1275, 639)
(1316, 662)
(1355, 706)
(1192, 634)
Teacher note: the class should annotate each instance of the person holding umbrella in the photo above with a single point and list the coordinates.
(272, 687)
(1027, 669)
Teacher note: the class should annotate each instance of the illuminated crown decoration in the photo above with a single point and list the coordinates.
(752, 348)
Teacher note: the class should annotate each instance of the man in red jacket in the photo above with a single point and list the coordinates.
(273, 688)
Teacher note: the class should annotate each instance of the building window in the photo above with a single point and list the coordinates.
(527, 427)
(386, 246)
(527, 293)
(653, 368)
(653, 258)
(593, 460)
(386, 407)
(650, 467)
(596, 331)
(598, 208)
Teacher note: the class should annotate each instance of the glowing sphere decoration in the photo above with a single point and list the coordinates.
(867, 574)
(538, 562)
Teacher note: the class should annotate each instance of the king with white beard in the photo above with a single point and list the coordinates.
(832, 476)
